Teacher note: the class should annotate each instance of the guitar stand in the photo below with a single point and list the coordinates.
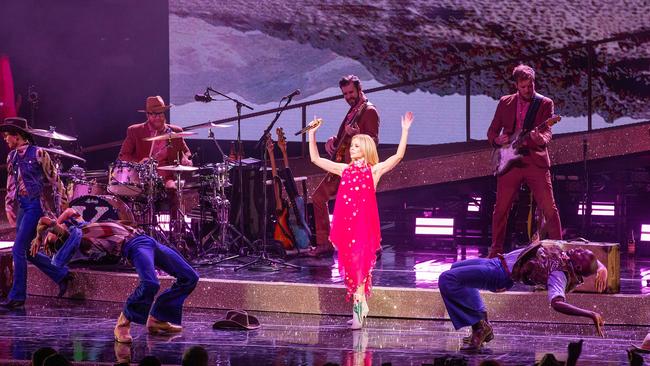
(263, 261)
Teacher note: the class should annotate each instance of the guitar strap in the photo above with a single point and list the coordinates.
(532, 112)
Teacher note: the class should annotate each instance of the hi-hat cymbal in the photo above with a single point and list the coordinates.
(171, 135)
(60, 152)
(51, 134)
(178, 168)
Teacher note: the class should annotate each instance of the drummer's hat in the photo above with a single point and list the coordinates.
(155, 105)
(17, 125)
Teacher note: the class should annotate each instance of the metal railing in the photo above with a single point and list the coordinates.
(639, 37)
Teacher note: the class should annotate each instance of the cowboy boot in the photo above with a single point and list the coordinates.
(364, 311)
(155, 326)
(489, 337)
(482, 332)
(122, 330)
(357, 313)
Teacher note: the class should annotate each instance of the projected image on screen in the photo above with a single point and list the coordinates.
(260, 52)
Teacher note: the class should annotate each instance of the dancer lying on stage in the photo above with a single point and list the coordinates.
(355, 225)
(542, 263)
(70, 238)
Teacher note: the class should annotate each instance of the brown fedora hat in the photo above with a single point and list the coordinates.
(237, 320)
(155, 105)
(645, 346)
(17, 125)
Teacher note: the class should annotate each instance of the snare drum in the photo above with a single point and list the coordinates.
(78, 187)
(125, 179)
(102, 208)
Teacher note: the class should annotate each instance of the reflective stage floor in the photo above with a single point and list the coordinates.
(82, 331)
(303, 315)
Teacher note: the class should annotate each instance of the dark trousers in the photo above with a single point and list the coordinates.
(459, 288)
(539, 182)
(29, 213)
(146, 254)
(322, 194)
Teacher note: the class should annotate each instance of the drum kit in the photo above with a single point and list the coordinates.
(135, 192)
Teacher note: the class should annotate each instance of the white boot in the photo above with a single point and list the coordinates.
(364, 311)
(357, 315)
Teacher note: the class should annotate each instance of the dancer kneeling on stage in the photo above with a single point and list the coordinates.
(542, 263)
(355, 226)
(69, 238)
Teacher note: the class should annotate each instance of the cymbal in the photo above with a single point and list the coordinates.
(171, 135)
(178, 168)
(51, 134)
(60, 152)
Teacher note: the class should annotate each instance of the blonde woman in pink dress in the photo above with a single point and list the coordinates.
(355, 226)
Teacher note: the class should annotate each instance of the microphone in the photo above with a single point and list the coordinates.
(293, 94)
(205, 98)
(313, 124)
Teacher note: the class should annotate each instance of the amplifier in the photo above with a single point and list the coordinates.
(609, 255)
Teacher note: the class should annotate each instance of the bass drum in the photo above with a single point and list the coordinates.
(102, 208)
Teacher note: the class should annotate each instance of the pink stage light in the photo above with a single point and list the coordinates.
(598, 208)
(434, 226)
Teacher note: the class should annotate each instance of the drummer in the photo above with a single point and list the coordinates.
(166, 152)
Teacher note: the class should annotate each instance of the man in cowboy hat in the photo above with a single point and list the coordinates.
(136, 149)
(542, 263)
(29, 168)
(69, 237)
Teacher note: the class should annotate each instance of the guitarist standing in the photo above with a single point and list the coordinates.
(361, 118)
(523, 111)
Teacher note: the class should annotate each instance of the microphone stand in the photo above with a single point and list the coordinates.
(263, 257)
(238, 105)
(222, 221)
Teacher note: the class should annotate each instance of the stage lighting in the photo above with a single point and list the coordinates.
(474, 205)
(434, 226)
(6, 244)
(645, 232)
(598, 208)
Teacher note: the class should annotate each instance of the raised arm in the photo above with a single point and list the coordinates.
(327, 165)
(388, 164)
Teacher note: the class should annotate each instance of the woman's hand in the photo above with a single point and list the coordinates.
(407, 119)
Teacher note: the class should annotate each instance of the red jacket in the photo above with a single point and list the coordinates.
(504, 120)
(135, 148)
(368, 123)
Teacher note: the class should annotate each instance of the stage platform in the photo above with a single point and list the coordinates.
(405, 286)
(82, 331)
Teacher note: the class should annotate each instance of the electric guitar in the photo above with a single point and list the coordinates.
(506, 155)
(281, 231)
(343, 143)
(297, 221)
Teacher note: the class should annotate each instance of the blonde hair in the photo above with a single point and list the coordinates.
(368, 148)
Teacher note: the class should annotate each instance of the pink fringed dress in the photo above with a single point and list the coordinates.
(355, 226)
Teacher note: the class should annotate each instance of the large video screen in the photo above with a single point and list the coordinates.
(258, 52)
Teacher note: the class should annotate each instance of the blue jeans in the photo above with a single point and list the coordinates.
(459, 288)
(146, 254)
(29, 213)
